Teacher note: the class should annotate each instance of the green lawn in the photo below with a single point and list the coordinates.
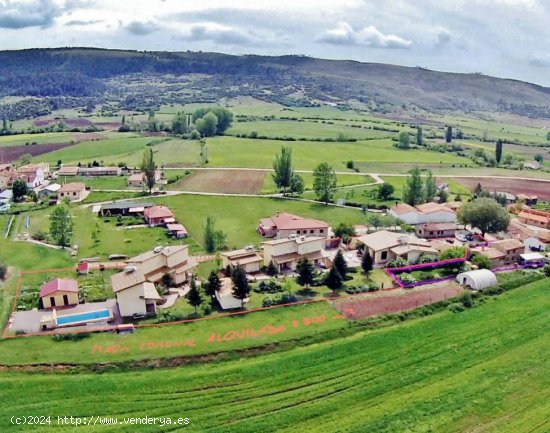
(44, 138)
(343, 180)
(242, 152)
(484, 370)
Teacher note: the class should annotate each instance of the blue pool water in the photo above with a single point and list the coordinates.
(89, 316)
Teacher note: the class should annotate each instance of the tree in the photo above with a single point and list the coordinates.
(333, 280)
(61, 226)
(194, 297)
(282, 168)
(297, 185)
(452, 253)
(304, 268)
(419, 138)
(208, 125)
(149, 168)
(498, 151)
(19, 190)
(430, 189)
(344, 231)
(241, 288)
(223, 115)
(404, 140)
(367, 263)
(481, 261)
(213, 284)
(213, 239)
(324, 182)
(449, 134)
(271, 270)
(413, 191)
(340, 264)
(548, 136)
(485, 214)
(179, 124)
(539, 158)
(385, 191)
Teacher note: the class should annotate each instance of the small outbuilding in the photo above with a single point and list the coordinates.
(477, 280)
(59, 292)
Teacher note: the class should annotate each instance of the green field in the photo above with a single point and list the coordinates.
(238, 152)
(484, 370)
(44, 138)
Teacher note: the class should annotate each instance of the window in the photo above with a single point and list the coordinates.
(384, 255)
(321, 231)
(65, 300)
(52, 301)
(312, 231)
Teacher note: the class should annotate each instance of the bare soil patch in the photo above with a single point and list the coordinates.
(224, 181)
(396, 301)
(515, 186)
(12, 153)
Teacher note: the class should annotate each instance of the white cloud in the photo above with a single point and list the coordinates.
(345, 34)
(18, 14)
(141, 28)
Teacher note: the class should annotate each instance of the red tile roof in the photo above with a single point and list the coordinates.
(287, 221)
(58, 285)
(158, 212)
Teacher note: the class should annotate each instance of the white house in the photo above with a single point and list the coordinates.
(477, 280)
(285, 253)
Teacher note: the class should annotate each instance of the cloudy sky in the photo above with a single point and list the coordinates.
(506, 38)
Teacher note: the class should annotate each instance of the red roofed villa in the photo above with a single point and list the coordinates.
(283, 225)
(158, 216)
(59, 292)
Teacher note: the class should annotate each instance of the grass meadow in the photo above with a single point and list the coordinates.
(444, 373)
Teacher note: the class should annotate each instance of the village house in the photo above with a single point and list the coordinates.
(529, 200)
(283, 225)
(135, 287)
(423, 213)
(535, 218)
(50, 190)
(509, 197)
(59, 292)
(69, 170)
(285, 253)
(138, 180)
(247, 259)
(74, 191)
(158, 216)
(496, 258)
(99, 171)
(33, 175)
(511, 248)
(436, 230)
(384, 246)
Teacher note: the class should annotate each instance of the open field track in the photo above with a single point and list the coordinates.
(395, 301)
(445, 373)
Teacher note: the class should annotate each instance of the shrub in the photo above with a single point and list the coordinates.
(40, 235)
(456, 307)
(70, 337)
(425, 276)
(3, 271)
(407, 278)
(397, 263)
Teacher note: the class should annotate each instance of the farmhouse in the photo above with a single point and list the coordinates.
(135, 287)
(247, 259)
(124, 208)
(496, 257)
(173, 260)
(511, 248)
(423, 213)
(51, 190)
(74, 191)
(134, 294)
(59, 293)
(285, 253)
(477, 280)
(384, 246)
(436, 230)
(535, 218)
(158, 215)
(283, 225)
(33, 175)
(139, 180)
(529, 200)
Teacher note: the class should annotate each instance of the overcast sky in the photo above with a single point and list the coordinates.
(506, 38)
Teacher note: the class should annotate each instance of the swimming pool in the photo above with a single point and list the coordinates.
(81, 318)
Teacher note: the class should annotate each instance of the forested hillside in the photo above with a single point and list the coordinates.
(144, 80)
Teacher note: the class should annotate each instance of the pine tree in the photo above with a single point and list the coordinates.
(334, 279)
(282, 169)
(194, 297)
(149, 169)
(304, 268)
(419, 139)
(272, 270)
(213, 284)
(449, 134)
(430, 189)
(340, 264)
(241, 288)
(413, 191)
(498, 151)
(367, 263)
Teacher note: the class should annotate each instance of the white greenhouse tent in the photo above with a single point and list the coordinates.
(477, 280)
